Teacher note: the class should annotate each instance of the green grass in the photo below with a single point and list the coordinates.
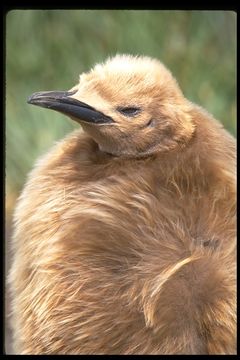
(48, 49)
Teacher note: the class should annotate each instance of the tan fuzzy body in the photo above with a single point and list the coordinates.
(117, 255)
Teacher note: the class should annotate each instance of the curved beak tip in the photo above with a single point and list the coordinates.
(35, 96)
(62, 101)
(29, 100)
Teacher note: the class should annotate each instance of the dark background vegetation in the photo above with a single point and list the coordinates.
(48, 49)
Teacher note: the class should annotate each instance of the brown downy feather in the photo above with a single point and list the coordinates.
(124, 238)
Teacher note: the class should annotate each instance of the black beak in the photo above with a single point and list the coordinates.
(62, 102)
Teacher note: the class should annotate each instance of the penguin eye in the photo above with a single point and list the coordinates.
(129, 111)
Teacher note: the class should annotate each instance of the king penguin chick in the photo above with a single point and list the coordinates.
(124, 237)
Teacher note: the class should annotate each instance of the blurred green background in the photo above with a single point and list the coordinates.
(48, 49)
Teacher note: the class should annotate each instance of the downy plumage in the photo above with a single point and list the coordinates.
(124, 238)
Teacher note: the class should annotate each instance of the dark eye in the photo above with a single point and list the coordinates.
(129, 111)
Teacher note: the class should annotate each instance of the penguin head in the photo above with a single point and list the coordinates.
(131, 106)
